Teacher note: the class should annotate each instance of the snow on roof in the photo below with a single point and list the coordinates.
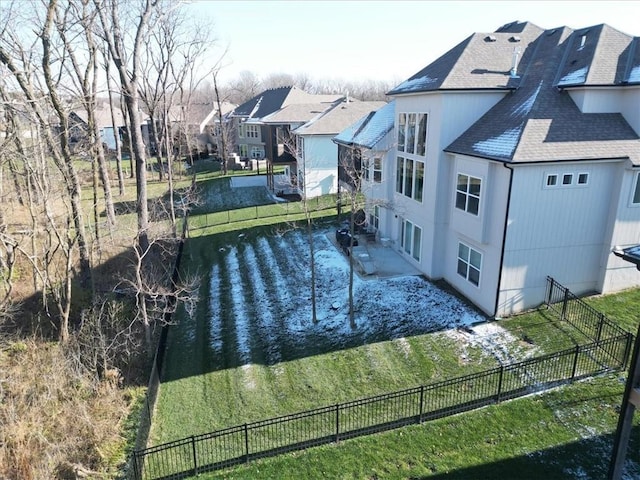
(577, 76)
(370, 129)
(634, 76)
(415, 84)
(501, 146)
(525, 107)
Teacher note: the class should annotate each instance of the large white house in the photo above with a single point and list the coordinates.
(516, 156)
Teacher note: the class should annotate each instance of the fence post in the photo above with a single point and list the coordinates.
(564, 303)
(137, 475)
(421, 403)
(337, 422)
(600, 327)
(246, 443)
(575, 362)
(498, 398)
(195, 457)
(549, 290)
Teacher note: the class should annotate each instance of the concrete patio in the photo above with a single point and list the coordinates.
(377, 259)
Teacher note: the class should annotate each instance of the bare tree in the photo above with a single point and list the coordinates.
(126, 57)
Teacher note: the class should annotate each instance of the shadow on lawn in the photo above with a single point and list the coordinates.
(583, 459)
(196, 346)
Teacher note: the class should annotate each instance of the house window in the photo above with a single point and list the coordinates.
(468, 194)
(241, 130)
(300, 148)
(377, 170)
(374, 217)
(636, 191)
(583, 178)
(410, 178)
(252, 131)
(243, 151)
(399, 174)
(257, 152)
(412, 133)
(567, 179)
(402, 122)
(469, 263)
(422, 134)
(411, 239)
(418, 185)
(552, 180)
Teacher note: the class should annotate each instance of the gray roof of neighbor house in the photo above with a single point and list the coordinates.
(370, 129)
(274, 99)
(538, 121)
(102, 114)
(300, 113)
(337, 118)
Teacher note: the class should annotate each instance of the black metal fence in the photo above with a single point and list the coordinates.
(579, 314)
(243, 443)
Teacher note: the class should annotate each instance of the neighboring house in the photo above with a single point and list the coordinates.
(79, 127)
(250, 133)
(280, 143)
(317, 154)
(517, 157)
(363, 150)
(195, 127)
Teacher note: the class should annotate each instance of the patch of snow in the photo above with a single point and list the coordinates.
(501, 146)
(243, 336)
(577, 76)
(525, 107)
(267, 324)
(244, 181)
(403, 345)
(415, 84)
(634, 76)
(384, 309)
(215, 325)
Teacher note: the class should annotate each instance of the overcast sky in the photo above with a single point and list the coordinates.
(378, 40)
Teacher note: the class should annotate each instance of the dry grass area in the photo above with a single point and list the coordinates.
(56, 422)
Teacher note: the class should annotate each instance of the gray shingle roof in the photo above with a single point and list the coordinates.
(296, 113)
(370, 129)
(482, 61)
(539, 122)
(334, 120)
(598, 55)
(274, 99)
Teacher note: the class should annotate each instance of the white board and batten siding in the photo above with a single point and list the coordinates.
(558, 231)
(618, 274)
(320, 165)
(483, 232)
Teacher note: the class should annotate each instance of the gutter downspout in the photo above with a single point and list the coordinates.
(504, 237)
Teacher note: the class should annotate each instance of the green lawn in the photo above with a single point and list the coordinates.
(212, 381)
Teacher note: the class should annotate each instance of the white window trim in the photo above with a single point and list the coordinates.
(468, 194)
(636, 185)
(468, 263)
(578, 184)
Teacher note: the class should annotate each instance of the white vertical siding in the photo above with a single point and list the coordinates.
(624, 100)
(483, 233)
(618, 274)
(557, 231)
(320, 165)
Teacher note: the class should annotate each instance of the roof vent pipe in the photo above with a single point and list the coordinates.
(514, 62)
